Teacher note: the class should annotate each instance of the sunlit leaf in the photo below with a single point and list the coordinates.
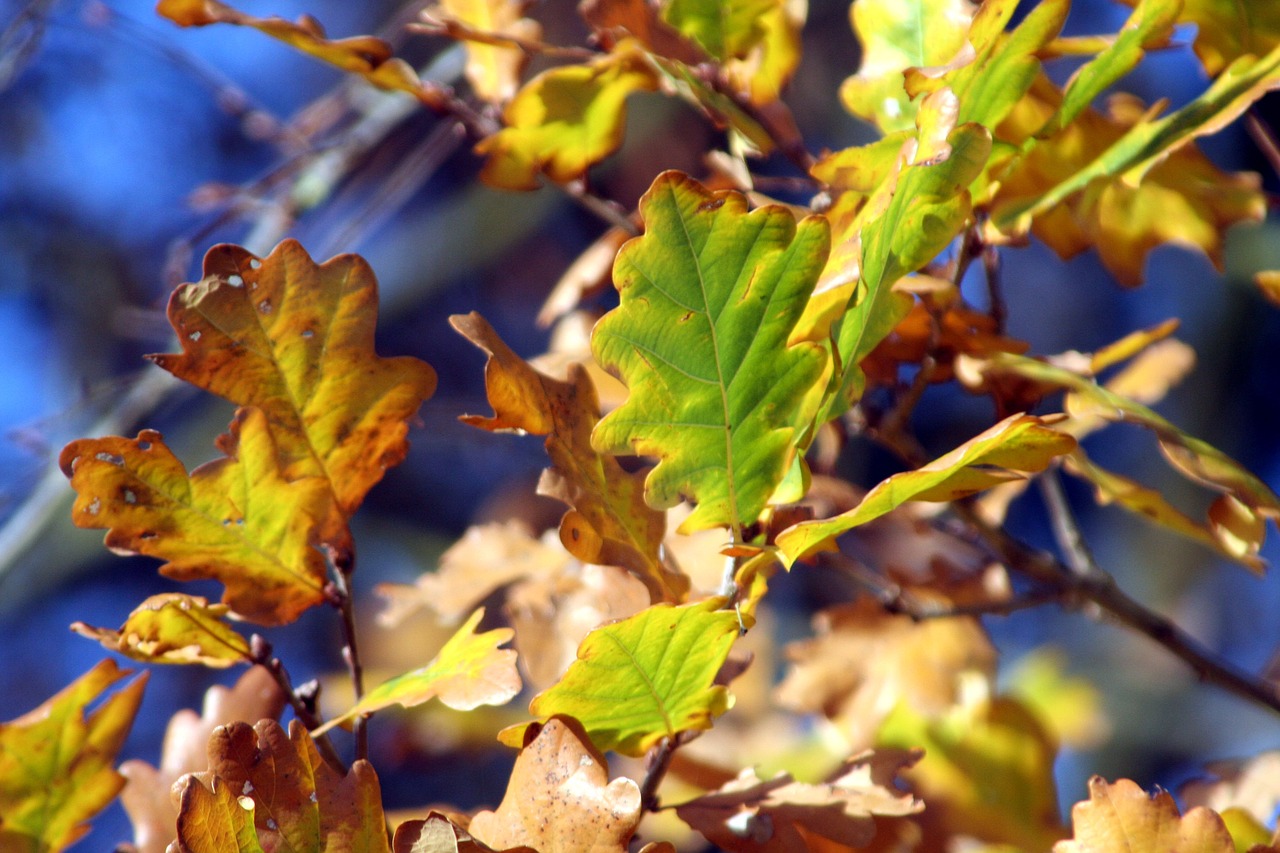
(1229, 29)
(238, 519)
(709, 296)
(295, 800)
(767, 67)
(560, 798)
(564, 120)
(645, 678)
(609, 522)
(471, 670)
(295, 339)
(1122, 816)
(782, 815)
(493, 70)
(896, 35)
(1017, 445)
(615, 20)
(437, 834)
(988, 772)
(146, 795)
(863, 661)
(364, 55)
(1145, 144)
(726, 29)
(55, 761)
(175, 628)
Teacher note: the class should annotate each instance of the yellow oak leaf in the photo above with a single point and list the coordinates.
(560, 797)
(295, 339)
(364, 55)
(1229, 29)
(55, 760)
(493, 68)
(175, 628)
(1122, 816)
(238, 520)
(609, 522)
(564, 120)
(266, 789)
(471, 670)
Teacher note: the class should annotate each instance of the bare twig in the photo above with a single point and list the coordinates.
(454, 29)
(605, 208)
(343, 600)
(658, 764)
(1263, 137)
(1065, 529)
(263, 655)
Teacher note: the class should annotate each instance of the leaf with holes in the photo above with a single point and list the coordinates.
(295, 339)
(55, 761)
(644, 678)
(1017, 445)
(364, 55)
(175, 628)
(471, 670)
(608, 523)
(270, 790)
(709, 295)
(239, 520)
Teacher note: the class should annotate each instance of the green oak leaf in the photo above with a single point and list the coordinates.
(724, 28)
(1019, 443)
(709, 295)
(644, 678)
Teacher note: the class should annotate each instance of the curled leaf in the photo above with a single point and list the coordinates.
(175, 628)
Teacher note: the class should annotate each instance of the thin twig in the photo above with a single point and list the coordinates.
(605, 208)
(1065, 529)
(345, 603)
(658, 765)
(262, 654)
(1263, 137)
(459, 31)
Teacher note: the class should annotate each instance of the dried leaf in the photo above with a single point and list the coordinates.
(295, 339)
(493, 69)
(262, 780)
(364, 55)
(782, 816)
(147, 793)
(1018, 444)
(564, 120)
(609, 522)
(175, 628)
(1252, 785)
(614, 20)
(1121, 816)
(560, 797)
(709, 296)
(239, 520)
(644, 678)
(55, 760)
(863, 662)
(468, 672)
(438, 834)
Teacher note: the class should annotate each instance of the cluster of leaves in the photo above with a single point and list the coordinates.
(747, 335)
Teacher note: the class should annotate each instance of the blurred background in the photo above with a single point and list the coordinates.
(129, 146)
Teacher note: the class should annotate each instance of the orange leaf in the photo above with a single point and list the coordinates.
(1122, 816)
(609, 522)
(297, 801)
(296, 339)
(560, 797)
(238, 520)
(364, 55)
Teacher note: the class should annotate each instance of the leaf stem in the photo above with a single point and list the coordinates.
(304, 710)
(351, 651)
(658, 765)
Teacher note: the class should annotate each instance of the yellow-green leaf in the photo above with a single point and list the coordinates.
(608, 523)
(469, 671)
(726, 29)
(239, 520)
(55, 761)
(766, 68)
(1229, 29)
(1017, 445)
(709, 295)
(896, 35)
(364, 55)
(175, 628)
(644, 678)
(295, 339)
(564, 120)
(291, 797)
